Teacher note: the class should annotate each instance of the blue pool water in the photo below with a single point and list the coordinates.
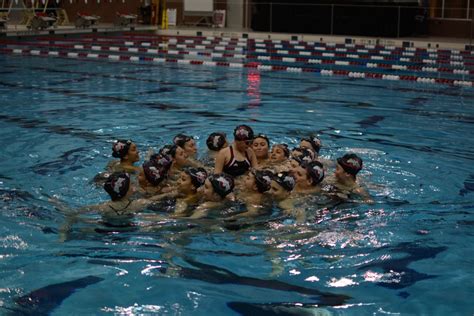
(409, 253)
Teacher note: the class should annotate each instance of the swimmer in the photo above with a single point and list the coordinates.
(314, 144)
(189, 182)
(261, 147)
(297, 157)
(128, 153)
(282, 185)
(344, 181)
(279, 157)
(179, 160)
(117, 212)
(215, 190)
(281, 190)
(187, 143)
(239, 157)
(154, 172)
(256, 183)
(308, 176)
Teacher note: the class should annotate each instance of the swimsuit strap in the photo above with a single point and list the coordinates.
(232, 157)
(247, 156)
(119, 211)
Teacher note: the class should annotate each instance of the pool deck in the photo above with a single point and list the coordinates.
(417, 42)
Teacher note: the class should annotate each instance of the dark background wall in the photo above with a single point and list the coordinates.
(338, 17)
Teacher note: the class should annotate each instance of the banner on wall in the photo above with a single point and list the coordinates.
(172, 13)
(218, 18)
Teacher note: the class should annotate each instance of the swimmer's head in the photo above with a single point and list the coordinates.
(117, 185)
(280, 152)
(263, 180)
(185, 142)
(282, 185)
(350, 163)
(221, 183)
(163, 161)
(261, 146)
(154, 173)
(120, 148)
(243, 133)
(315, 172)
(313, 143)
(181, 139)
(216, 141)
(198, 176)
(168, 150)
(285, 180)
(302, 155)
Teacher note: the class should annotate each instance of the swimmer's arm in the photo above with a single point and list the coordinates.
(252, 211)
(203, 209)
(180, 208)
(165, 195)
(67, 210)
(360, 191)
(220, 161)
(253, 159)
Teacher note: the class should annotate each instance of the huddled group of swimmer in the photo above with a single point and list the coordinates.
(248, 170)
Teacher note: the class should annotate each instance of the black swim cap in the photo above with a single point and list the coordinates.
(163, 161)
(351, 163)
(315, 171)
(315, 143)
(263, 180)
(285, 179)
(243, 133)
(302, 155)
(168, 150)
(120, 148)
(198, 176)
(117, 185)
(222, 183)
(216, 141)
(154, 173)
(181, 139)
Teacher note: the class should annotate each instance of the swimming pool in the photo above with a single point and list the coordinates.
(409, 253)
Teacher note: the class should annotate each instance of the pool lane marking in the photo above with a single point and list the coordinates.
(238, 56)
(274, 68)
(216, 39)
(314, 51)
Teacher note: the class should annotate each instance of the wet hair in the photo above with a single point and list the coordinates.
(315, 171)
(120, 148)
(315, 143)
(222, 183)
(216, 141)
(263, 180)
(168, 150)
(351, 163)
(181, 139)
(286, 151)
(285, 180)
(263, 136)
(306, 155)
(243, 133)
(154, 173)
(117, 185)
(198, 176)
